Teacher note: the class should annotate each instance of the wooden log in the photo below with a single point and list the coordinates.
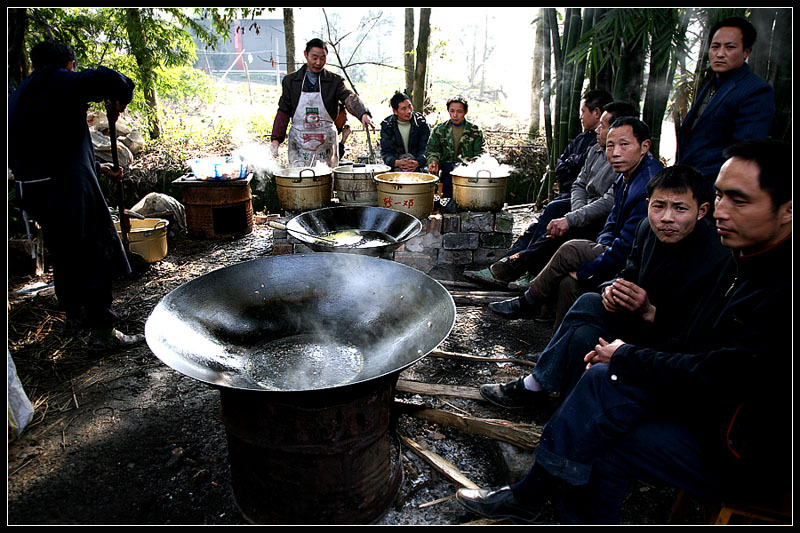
(435, 389)
(480, 358)
(448, 469)
(521, 435)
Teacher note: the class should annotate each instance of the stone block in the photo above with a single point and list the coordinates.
(504, 222)
(514, 462)
(487, 256)
(460, 241)
(496, 240)
(423, 262)
(477, 221)
(455, 257)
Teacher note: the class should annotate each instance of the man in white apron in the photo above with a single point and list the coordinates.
(310, 98)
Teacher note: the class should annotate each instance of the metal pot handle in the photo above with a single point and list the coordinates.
(300, 174)
(160, 224)
(477, 176)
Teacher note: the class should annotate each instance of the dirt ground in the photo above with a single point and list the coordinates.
(123, 439)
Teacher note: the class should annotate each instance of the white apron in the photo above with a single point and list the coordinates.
(313, 137)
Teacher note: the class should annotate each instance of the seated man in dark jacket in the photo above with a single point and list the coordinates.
(712, 413)
(580, 265)
(675, 259)
(404, 136)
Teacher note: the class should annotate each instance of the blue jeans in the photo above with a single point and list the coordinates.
(561, 364)
(605, 434)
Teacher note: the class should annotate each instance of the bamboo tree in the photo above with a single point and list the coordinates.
(666, 46)
(547, 78)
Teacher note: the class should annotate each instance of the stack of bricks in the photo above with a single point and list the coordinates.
(446, 240)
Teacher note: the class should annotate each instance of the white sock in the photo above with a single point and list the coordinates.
(531, 383)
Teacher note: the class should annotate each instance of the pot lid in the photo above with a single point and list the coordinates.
(361, 169)
(302, 172)
(478, 172)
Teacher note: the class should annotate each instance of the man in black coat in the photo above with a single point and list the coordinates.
(711, 415)
(404, 136)
(60, 190)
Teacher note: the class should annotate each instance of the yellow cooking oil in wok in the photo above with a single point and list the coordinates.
(358, 238)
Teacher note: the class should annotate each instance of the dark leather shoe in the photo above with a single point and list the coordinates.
(499, 503)
(512, 395)
(508, 269)
(514, 308)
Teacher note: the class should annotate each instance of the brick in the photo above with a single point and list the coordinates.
(423, 262)
(455, 257)
(480, 222)
(282, 249)
(504, 222)
(451, 223)
(460, 241)
(496, 240)
(487, 256)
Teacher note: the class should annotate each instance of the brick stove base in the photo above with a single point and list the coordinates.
(446, 240)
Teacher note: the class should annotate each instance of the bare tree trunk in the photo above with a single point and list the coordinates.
(422, 58)
(408, 54)
(17, 58)
(486, 53)
(288, 31)
(536, 76)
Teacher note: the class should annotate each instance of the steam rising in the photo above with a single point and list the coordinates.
(484, 163)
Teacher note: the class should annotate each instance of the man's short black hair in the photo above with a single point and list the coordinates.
(458, 100)
(316, 43)
(618, 109)
(748, 30)
(51, 53)
(640, 129)
(681, 178)
(397, 99)
(774, 160)
(597, 98)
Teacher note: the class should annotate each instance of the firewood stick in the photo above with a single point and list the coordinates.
(438, 462)
(480, 359)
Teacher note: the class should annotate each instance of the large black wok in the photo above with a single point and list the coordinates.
(354, 229)
(300, 322)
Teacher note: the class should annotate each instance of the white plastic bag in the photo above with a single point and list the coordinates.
(20, 410)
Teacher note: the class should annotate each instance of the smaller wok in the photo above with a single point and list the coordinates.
(354, 229)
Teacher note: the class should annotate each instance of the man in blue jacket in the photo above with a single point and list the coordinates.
(736, 105)
(404, 136)
(580, 265)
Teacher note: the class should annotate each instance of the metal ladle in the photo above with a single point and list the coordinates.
(277, 225)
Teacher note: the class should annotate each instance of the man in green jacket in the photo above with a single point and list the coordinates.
(454, 142)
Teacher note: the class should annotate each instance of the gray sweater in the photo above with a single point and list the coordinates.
(592, 197)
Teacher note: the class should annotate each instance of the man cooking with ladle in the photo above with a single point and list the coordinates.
(310, 98)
